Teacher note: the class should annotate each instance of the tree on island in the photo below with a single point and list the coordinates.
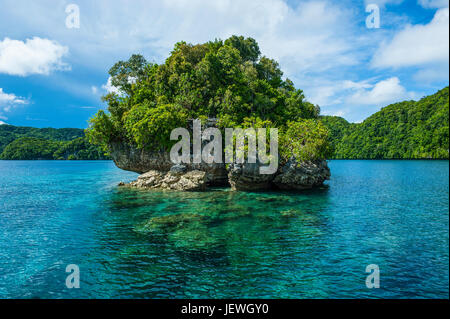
(226, 80)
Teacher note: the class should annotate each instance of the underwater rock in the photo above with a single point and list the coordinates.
(194, 237)
(267, 199)
(169, 222)
(290, 213)
(236, 214)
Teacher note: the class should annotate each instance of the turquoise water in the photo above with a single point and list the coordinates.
(137, 244)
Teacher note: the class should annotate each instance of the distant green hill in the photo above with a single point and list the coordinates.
(402, 130)
(29, 143)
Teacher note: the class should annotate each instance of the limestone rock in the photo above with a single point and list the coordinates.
(303, 175)
(160, 172)
(189, 181)
(246, 176)
(140, 161)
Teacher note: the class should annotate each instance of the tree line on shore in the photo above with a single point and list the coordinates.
(29, 143)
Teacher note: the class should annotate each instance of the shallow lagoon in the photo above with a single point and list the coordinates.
(138, 244)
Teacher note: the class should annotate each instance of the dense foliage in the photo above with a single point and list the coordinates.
(227, 80)
(408, 129)
(9, 133)
(28, 143)
(306, 139)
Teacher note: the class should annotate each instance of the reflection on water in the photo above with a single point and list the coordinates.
(131, 243)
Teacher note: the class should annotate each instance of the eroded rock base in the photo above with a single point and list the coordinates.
(189, 181)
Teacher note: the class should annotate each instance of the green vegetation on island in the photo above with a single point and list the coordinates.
(28, 143)
(226, 80)
(405, 130)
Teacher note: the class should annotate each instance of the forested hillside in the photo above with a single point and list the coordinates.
(407, 129)
(29, 143)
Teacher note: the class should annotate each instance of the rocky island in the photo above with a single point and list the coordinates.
(225, 84)
(159, 172)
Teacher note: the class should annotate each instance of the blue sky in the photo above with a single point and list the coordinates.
(54, 76)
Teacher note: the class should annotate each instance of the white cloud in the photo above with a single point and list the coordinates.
(32, 56)
(10, 98)
(109, 88)
(315, 36)
(417, 45)
(433, 3)
(3, 123)
(382, 93)
(357, 100)
(94, 90)
(334, 93)
(9, 101)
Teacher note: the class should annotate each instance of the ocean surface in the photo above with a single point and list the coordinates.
(224, 244)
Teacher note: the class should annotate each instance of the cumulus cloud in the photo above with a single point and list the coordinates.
(357, 100)
(9, 100)
(32, 56)
(382, 93)
(335, 92)
(361, 93)
(417, 45)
